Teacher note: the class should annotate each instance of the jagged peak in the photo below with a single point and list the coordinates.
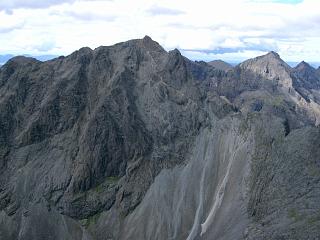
(304, 65)
(150, 44)
(175, 52)
(147, 38)
(271, 58)
(272, 54)
(271, 67)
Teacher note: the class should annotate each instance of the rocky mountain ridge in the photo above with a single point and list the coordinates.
(133, 142)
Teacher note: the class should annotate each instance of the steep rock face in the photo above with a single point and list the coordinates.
(284, 180)
(284, 86)
(271, 67)
(133, 142)
(90, 131)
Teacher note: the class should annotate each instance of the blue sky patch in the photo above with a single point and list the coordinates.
(279, 1)
(288, 1)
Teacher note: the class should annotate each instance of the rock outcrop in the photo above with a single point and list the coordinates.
(133, 142)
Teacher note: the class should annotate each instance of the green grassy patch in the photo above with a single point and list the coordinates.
(113, 179)
(314, 219)
(293, 214)
(92, 220)
(108, 181)
(277, 102)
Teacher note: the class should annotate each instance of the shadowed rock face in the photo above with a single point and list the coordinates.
(308, 77)
(133, 142)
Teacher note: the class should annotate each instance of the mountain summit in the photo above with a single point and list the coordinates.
(270, 66)
(304, 65)
(307, 76)
(133, 142)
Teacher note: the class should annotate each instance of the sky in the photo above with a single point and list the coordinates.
(232, 30)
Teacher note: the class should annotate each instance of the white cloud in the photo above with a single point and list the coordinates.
(9, 5)
(13, 4)
(158, 10)
(241, 28)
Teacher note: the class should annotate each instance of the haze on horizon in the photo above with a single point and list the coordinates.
(201, 30)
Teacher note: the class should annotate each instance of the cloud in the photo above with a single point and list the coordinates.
(45, 45)
(9, 24)
(6, 29)
(85, 15)
(9, 5)
(158, 10)
(202, 29)
(237, 51)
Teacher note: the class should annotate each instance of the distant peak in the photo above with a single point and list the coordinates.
(220, 65)
(217, 61)
(270, 66)
(304, 65)
(270, 57)
(22, 60)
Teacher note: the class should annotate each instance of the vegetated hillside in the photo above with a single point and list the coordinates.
(133, 142)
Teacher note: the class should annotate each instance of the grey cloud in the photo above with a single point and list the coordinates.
(157, 10)
(86, 16)
(7, 29)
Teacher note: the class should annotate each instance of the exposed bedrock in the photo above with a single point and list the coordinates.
(133, 142)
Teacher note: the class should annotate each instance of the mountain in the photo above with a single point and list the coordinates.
(270, 66)
(308, 76)
(6, 57)
(220, 65)
(132, 142)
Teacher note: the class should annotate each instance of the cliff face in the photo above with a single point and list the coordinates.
(133, 142)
